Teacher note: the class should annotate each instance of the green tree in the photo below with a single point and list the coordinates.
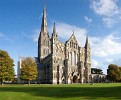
(114, 72)
(119, 74)
(96, 71)
(6, 67)
(28, 69)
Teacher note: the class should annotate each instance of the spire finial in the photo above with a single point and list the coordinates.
(54, 34)
(73, 32)
(44, 3)
(87, 39)
(54, 29)
(86, 44)
(44, 20)
(54, 24)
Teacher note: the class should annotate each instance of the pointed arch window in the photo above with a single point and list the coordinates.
(70, 44)
(70, 58)
(73, 57)
(76, 59)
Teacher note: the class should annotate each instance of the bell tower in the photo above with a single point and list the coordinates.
(44, 39)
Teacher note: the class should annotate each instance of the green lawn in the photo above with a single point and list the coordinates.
(62, 92)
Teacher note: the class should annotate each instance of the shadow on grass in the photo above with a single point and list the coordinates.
(67, 92)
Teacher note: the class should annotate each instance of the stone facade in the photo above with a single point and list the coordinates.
(98, 78)
(61, 62)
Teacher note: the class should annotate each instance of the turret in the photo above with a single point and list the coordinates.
(54, 34)
(87, 44)
(54, 39)
(87, 62)
(87, 50)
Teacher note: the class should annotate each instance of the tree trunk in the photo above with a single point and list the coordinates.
(29, 82)
(1, 82)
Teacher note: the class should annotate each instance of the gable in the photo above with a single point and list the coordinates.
(72, 42)
(72, 39)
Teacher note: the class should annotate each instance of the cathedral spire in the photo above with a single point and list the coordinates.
(44, 39)
(87, 43)
(54, 31)
(44, 20)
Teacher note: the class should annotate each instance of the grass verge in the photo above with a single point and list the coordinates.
(62, 92)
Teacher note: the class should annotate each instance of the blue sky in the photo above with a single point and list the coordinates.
(20, 22)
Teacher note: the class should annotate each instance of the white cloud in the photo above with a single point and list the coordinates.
(109, 11)
(35, 36)
(89, 20)
(94, 63)
(107, 46)
(4, 37)
(26, 35)
(108, 61)
(65, 30)
(103, 49)
(105, 7)
(109, 21)
(117, 62)
(106, 50)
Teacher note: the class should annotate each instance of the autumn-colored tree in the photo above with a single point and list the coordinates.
(6, 67)
(119, 74)
(28, 69)
(114, 72)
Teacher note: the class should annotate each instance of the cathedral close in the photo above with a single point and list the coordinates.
(62, 63)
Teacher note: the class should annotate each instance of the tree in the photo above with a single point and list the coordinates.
(119, 74)
(6, 67)
(28, 70)
(114, 72)
(96, 71)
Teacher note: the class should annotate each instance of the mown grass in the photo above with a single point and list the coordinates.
(61, 92)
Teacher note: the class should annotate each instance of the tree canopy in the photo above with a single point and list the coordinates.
(28, 69)
(6, 67)
(96, 71)
(114, 72)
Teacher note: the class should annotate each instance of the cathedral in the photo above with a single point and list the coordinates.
(61, 63)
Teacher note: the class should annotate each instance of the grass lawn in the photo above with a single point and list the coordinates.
(105, 91)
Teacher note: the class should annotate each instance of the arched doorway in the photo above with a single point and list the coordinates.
(74, 79)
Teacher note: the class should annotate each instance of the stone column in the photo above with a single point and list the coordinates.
(58, 74)
(66, 71)
(82, 71)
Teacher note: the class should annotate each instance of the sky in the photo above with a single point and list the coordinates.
(100, 20)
